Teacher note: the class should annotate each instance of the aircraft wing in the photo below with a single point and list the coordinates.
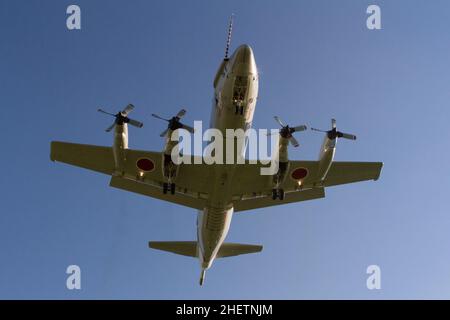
(96, 158)
(255, 190)
(251, 190)
(191, 179)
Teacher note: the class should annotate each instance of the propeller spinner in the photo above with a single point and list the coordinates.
(122, 117)
(333, 133)
(286, 131)
(174, 123)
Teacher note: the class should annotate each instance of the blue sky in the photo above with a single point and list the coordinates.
(317, 60)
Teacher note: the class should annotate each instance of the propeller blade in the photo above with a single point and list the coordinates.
(300, 128)
(333, 123)
(110, 127)
(279, 121)
(294, 141)
(347, 136)
(158, 117)
(181, 113)
(314, 129)
(163, 134)
(127, 110)
(188, 128)
(135, 123)
(103, 111)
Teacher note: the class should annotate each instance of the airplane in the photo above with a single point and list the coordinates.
(219, 190)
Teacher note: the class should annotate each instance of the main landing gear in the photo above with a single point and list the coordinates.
(167, 187)
(278, 193)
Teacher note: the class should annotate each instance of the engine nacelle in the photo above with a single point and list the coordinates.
(119, 146)
(283, 165)
(169, 168)
(326, 157)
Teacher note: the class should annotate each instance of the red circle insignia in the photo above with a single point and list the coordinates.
(145, 164)
(299, 173)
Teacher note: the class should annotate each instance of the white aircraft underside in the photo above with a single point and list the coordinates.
(217, 190)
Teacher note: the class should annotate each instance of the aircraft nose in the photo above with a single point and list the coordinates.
(243, 60)
(244, 54)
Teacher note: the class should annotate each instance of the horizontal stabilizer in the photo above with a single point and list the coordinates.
(235, 249)
(189, 248)
(185, 248)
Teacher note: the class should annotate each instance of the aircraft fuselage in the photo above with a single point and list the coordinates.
(234, 101)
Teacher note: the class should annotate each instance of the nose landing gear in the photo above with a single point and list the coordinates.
(239, 110)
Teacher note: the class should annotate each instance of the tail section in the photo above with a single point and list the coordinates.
(185, 248)
(202, 276)
(190, 249)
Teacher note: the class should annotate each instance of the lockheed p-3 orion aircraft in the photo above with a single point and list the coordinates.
(217, 190)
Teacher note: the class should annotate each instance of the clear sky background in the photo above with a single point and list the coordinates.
(317, 60)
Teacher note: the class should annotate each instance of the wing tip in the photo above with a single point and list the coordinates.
(379, 171)
(52, 150)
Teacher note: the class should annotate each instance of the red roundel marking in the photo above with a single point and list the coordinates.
(299, 173)
(145, 164)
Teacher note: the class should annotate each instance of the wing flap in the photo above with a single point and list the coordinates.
(156, 192)
(290, 197)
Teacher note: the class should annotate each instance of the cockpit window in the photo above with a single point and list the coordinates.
(240, 89)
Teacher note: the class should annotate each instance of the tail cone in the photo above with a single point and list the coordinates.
(202, 276)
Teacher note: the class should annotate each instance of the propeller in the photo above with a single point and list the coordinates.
(286, 131)
(333, 133)
(174, 123)
(122, 117)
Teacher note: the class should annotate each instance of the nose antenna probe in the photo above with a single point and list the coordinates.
(230, 29)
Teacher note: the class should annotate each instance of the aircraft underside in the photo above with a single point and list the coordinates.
(217, 191)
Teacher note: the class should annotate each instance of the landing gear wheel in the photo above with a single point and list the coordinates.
(241, 110)
(237, 110)
(172, 188)
(277, 194)
(281, 194)
(165, 187)
(274, 194)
